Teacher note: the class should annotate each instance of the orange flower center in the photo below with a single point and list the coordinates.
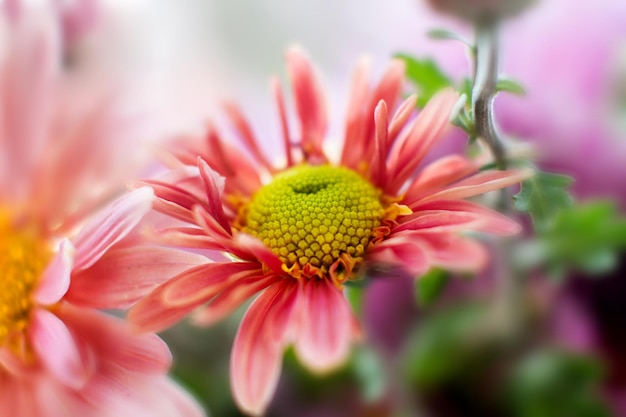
(315, 216)
(23, 256)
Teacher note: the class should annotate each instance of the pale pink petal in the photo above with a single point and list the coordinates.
(309, 101)
(117, 221)
(400, 117)
(114, 340)
(55, 279)
(457, 253)
(325, 326)
(56, 348)
(355, 123)
(246, 133)
(480, 184)
(124, 275)
(257, 352)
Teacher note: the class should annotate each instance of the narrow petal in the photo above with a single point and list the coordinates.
(260, 252)
(325, 326)
(256, 358)
(55, 280)
(246, 133)
(284, 125)
(57, 349)
(111, 226)
(122, 276)
(378, 170)
(204, 282)
(214, 187)
(481, 183)
(410, 149)
(309, 101)
(491, 221)
(439, 174)
(232, 297)
(401, 251)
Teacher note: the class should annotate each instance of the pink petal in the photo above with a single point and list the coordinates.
(150, 314)
(214, 187)
(437, 175)
(124, 275)
(456, 253)
(117, 342)
(111, 226)
(260, 252)
(481, 183)
(378, 168)
(490, 221)
(55, 279)
(200, 284)
(325, 326)
(56, 348)
(401, 251)
(410, 149)
(246, 133)
(256, 357)
(309, 101)
(282, 113)
(231, 298)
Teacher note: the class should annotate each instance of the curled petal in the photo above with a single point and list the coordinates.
(111, 226)
(55, 280)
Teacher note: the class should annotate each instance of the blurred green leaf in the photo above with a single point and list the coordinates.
(430, 286)
(510, 86)
(553, 383)
(368, 370)
(355, 295)
(444, 345)
(587, 237)
(543, 196)
(445, 34)
(426, 75)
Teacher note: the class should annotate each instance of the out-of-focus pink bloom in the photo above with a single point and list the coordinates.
(300, 228)
(56, 174)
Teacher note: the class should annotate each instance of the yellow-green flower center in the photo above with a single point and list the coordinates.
(314, 214)
(22, 259)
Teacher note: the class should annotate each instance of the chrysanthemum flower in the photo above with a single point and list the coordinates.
(56, 358)
(296, 231)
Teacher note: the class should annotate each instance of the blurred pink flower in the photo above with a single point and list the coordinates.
(323, 219)
(56, 174)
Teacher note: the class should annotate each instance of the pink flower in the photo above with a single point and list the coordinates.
(297, 230)
(58, 359)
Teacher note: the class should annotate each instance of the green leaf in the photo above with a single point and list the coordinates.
(444, 34)
(553, 383)
(369, 372)
(444, 346)
(543, 196)
(510, 86)
(430, 286)
(427, 77)
(355, 296)
(587, 237)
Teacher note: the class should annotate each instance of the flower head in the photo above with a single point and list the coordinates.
(296, 231)
(58, 358)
